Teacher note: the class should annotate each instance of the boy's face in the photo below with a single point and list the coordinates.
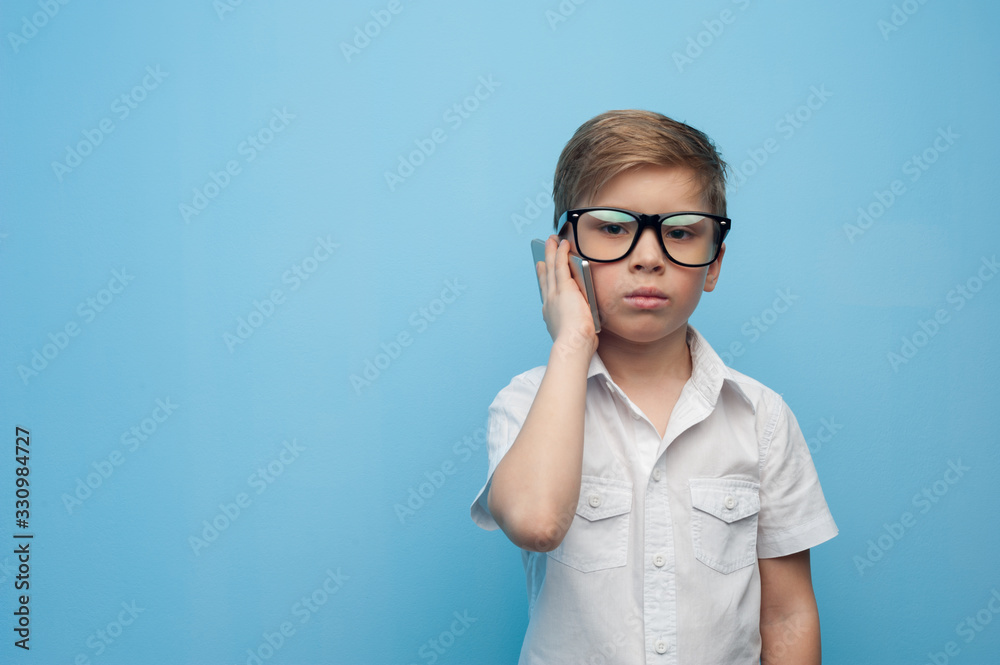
(645, 296)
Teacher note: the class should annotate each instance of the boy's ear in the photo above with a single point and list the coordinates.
(713, 270)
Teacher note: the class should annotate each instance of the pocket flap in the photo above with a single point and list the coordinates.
(729, 499)
(603, 497)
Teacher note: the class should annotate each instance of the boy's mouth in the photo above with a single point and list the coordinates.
(647, 297)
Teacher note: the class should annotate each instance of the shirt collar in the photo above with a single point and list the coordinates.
(708, 372)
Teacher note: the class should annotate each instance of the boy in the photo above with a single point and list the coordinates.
(664, 503)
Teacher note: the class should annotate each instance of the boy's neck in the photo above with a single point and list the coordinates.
(647, 365)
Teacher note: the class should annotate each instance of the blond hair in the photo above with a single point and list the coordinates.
(616, 141)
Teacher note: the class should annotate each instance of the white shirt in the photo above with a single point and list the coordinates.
(659, 565)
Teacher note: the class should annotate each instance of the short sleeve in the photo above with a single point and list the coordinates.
(793, 515)
(506, 416)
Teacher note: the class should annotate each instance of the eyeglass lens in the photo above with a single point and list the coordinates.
(607, 235)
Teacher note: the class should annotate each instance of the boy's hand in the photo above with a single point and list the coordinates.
(564, 307)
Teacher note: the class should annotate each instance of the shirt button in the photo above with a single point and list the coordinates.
(636, 416)
(661, 646)
(656, 474)
(730, 502)
(594, 500)
(659, 560)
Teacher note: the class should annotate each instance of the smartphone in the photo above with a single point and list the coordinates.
(580, 269)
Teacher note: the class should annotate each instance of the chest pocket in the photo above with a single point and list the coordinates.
(724, 522)
(598, 537)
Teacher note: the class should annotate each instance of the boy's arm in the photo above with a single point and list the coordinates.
(536, 486)
(789, 619)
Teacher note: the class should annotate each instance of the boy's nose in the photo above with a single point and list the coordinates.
(648, 255)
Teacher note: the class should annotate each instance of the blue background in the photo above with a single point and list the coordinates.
(884, 82)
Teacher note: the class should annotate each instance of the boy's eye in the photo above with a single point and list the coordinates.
(613, 229)
(685, 227)
(677, 233)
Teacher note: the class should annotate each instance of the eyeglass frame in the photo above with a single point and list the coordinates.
(654, 222)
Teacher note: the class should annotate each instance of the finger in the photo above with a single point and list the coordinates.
(551, 243)
(562, 265)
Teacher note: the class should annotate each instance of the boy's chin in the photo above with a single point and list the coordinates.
(639, 334)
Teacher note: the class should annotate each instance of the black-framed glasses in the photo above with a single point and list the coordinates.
(604, 235)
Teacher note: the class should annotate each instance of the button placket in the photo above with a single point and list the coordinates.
(659, 586)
